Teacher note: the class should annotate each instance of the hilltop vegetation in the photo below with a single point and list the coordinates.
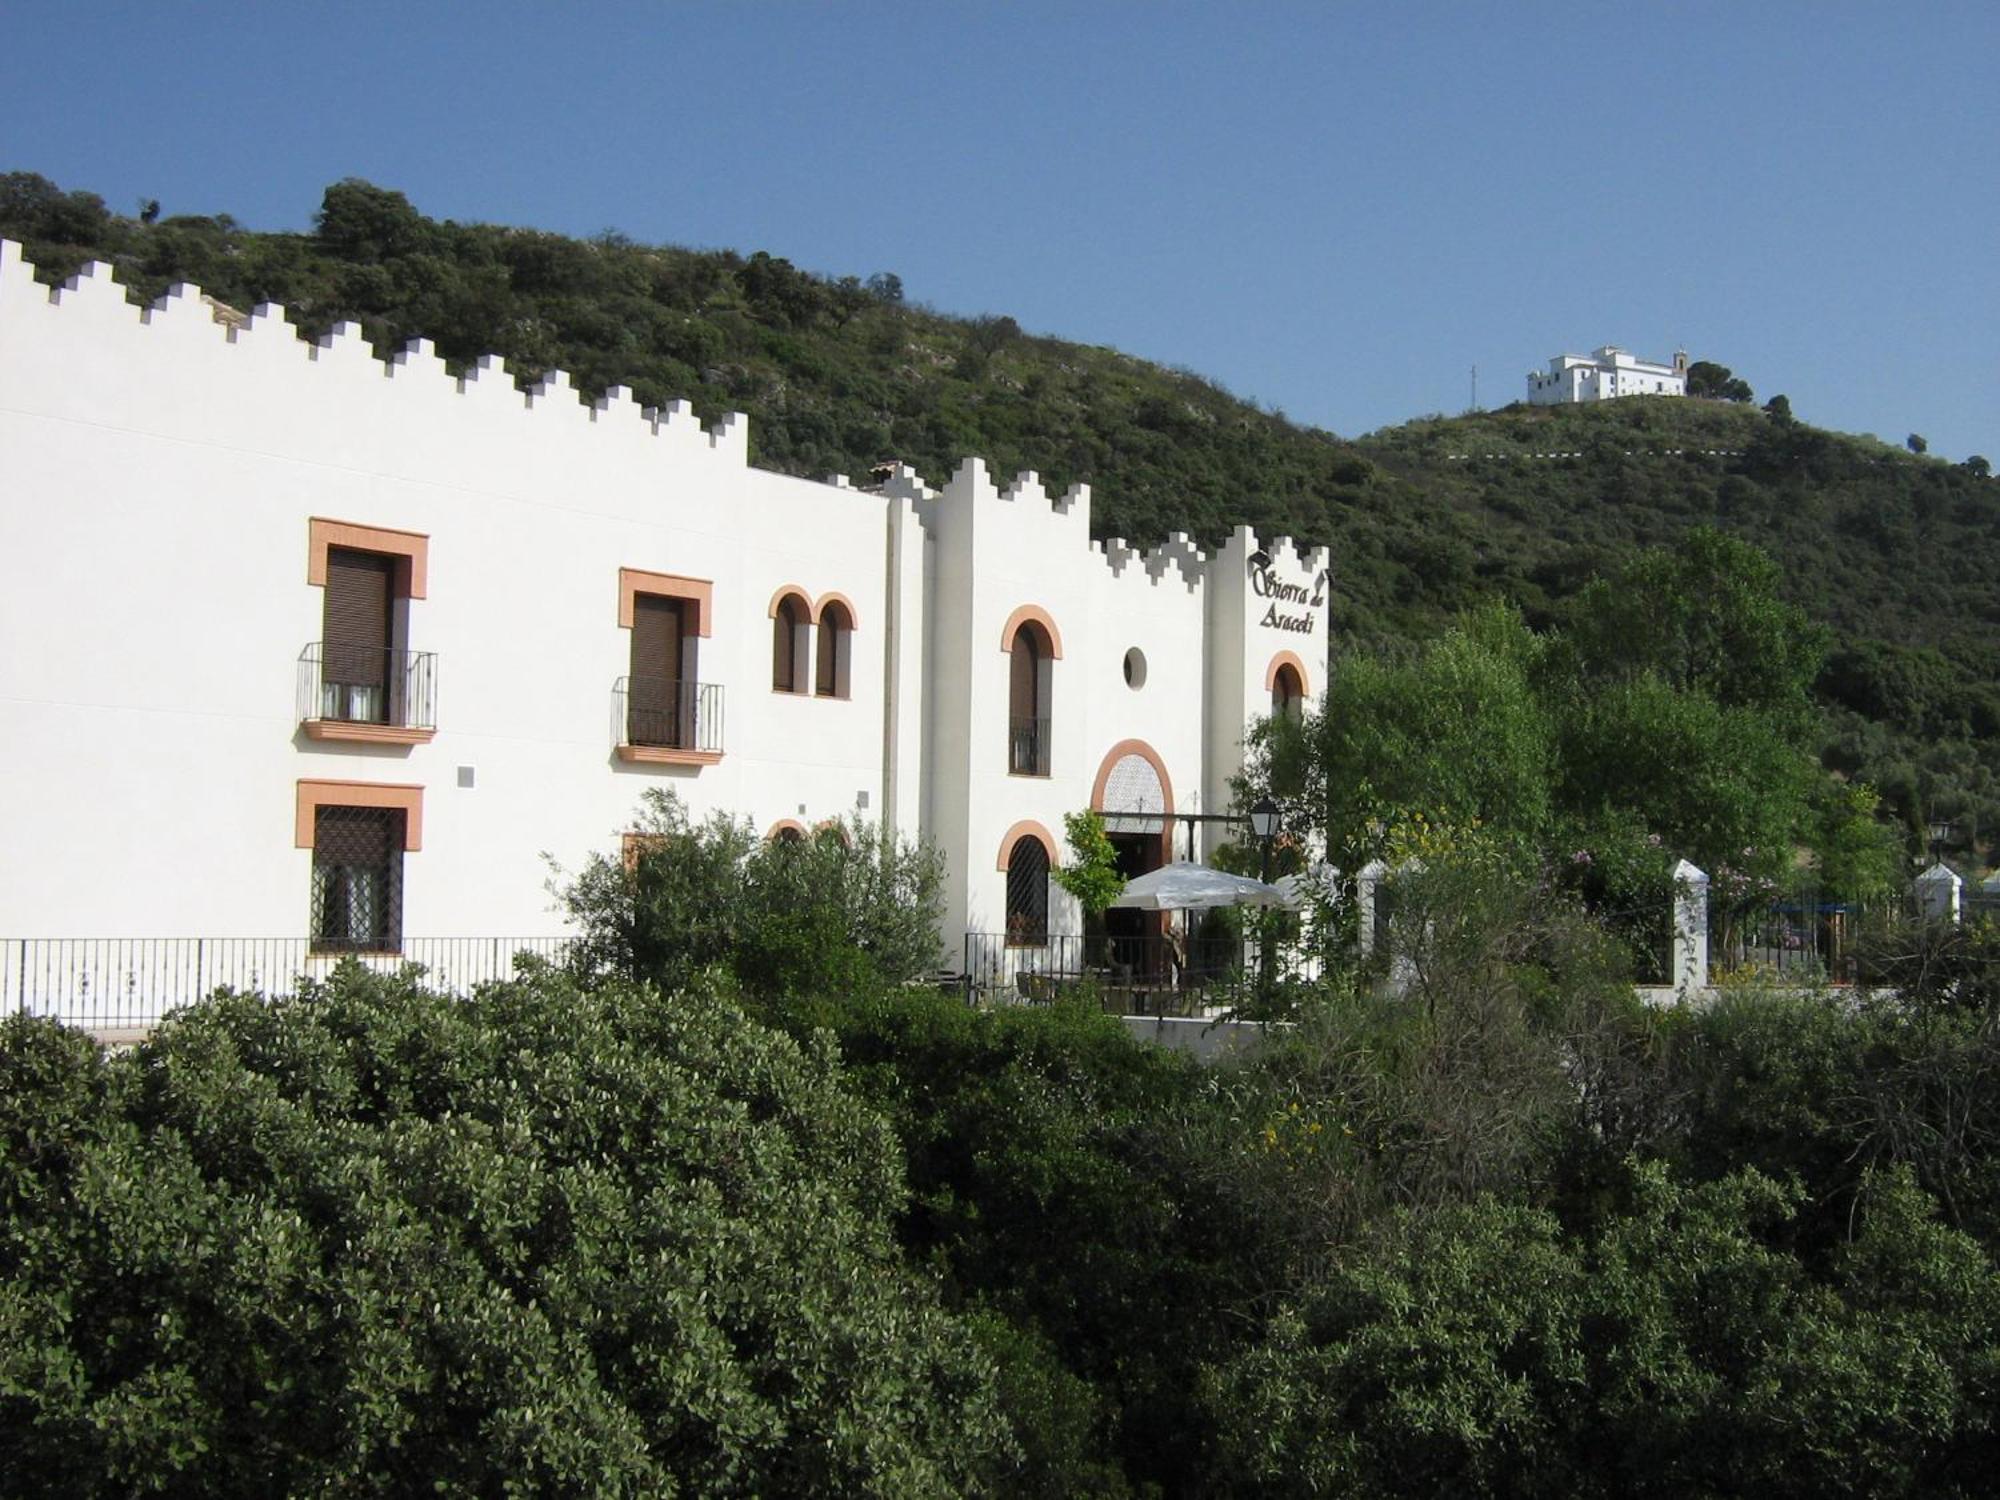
(1894, 551)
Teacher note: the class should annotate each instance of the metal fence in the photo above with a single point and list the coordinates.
(1805, 936)
(1150, 975)
(104, 984)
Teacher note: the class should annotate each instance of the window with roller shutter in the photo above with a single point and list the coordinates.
(360, 681)
(659, 647)
(662, 712)
(357, 636)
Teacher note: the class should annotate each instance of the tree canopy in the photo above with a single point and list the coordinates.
(1717, 382)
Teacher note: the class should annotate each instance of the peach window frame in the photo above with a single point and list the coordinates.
(700, 592)
(412, 551)
(311, 796)
(1288, 659)
(1039, 616)
(1027, 828)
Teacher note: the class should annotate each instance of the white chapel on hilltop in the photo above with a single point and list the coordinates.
(1604, 376)
(307, 646)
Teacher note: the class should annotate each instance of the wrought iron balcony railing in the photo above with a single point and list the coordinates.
(390, 688)
(661, 713)
(1027, 747)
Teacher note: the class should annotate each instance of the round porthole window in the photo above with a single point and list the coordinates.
(1135, 669)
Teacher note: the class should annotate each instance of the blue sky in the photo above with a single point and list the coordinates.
(1335, 209)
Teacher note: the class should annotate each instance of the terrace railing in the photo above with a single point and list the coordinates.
(1149, 975)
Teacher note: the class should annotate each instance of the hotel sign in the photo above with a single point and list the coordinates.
(1294, 606)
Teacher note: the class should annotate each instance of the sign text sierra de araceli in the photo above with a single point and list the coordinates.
(1294, 606)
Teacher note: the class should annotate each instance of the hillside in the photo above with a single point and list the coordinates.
(1897, 554)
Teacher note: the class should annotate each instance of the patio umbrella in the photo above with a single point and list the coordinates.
(1187, 886)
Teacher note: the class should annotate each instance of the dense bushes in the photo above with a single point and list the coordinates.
(1509, 1234)
(548, 1241)
(1063, 1179)
(1674, 1347)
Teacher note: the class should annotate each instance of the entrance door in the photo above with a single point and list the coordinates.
(1133, 939)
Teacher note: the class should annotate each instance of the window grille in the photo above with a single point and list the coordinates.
(357, 885)
(1028, 894)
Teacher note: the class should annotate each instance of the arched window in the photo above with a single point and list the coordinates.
(1029, 678)
(836, 641)
(1028, 894)
(789, 649)
(1288, 692)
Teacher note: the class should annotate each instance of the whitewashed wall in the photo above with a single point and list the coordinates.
(160, 472)
(160, 479)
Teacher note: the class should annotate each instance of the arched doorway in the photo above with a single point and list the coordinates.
(1135, 797)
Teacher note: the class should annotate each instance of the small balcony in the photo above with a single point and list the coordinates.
(666, 722)
(369, 695)
(1027, 747)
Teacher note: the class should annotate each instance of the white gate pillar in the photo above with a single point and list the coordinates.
(1367, 884)
(1690, 971)
(1938, 893)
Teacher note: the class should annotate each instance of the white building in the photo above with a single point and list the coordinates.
(1605, 376)
(301, 645)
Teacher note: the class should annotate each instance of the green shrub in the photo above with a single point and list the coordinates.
(1675, 1348)
(551, 1240)
(850, 908)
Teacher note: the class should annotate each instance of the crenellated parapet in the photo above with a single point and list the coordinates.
(266, 346)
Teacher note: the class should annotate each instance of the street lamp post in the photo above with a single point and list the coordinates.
(1264, 819)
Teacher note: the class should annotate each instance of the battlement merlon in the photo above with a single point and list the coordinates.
(971, 489)
(1118, 554)
(16, 280)
(1178, 551)
(904, 483)
(182, 302)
